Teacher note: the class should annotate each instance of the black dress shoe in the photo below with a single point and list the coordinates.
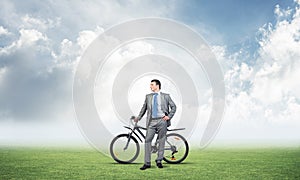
(145, 166)
(159, 165)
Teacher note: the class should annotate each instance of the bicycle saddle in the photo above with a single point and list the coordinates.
(175, 129)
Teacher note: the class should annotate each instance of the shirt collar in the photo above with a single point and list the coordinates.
(157, 92)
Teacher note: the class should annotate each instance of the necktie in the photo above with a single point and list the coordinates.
(154, 108)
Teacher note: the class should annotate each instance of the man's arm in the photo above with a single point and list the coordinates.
(173, 107)
(143, 110)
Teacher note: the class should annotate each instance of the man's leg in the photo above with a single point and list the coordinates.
(162, 131)
(148, 140)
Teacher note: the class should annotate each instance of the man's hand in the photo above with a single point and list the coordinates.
(166, 118)
(136, 119)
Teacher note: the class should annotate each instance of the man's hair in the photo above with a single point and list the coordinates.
(157, 82)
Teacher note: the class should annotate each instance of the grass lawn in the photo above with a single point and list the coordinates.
(211, 163)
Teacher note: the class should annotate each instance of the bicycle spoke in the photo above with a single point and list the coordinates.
(124, 150)
(176, 148)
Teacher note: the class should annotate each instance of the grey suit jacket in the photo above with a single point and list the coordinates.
(167, 106)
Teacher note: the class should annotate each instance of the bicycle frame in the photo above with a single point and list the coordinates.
(172, 148)
(138, 130)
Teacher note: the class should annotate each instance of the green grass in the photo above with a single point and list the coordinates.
(216, 163)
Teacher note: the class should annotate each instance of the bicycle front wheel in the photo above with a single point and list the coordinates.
(124, 149)
(176, 148)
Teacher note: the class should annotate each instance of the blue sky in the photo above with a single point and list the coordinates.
(256, 43)
(234, 20)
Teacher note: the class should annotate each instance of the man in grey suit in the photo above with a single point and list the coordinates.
(160, 110)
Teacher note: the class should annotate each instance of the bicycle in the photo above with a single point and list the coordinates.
(125, 148)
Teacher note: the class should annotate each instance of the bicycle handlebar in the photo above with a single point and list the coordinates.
(132, 118)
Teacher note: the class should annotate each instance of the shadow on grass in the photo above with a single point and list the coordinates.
(165, 164)
(115, 163)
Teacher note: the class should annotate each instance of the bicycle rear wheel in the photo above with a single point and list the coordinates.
(124, 149)
(176, 148)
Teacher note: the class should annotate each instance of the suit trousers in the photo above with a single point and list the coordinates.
(160, 126)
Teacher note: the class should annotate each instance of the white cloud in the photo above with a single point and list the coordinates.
(41, 24)
(3, 31)
(289, 116)
(87, 36)
(66, 55)
(280, 53)
(266, 85)
(265, 94)
(69, 52)
(28, 37)
(282, 13)
(245, 72)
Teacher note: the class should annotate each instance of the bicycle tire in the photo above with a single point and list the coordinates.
(185, 153)
(111, 149)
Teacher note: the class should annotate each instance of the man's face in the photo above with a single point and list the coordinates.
(153, 86)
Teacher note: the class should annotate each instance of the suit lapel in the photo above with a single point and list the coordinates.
(150, 102)
(162, 97)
